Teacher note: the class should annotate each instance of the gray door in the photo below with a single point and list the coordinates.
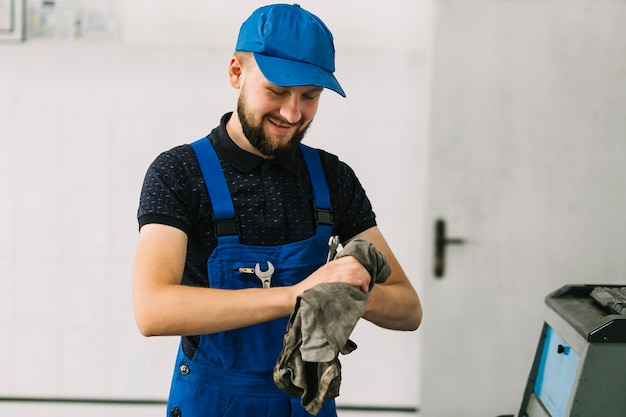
(528, 166)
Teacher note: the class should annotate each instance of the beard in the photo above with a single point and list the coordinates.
(257, 137)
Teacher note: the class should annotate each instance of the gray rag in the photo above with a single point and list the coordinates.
(319, 327)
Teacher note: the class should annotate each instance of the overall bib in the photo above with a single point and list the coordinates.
(230, 374)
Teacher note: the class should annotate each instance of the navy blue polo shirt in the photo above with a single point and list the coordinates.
(272, 199)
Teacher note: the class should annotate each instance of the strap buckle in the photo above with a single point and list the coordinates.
(323, 216)
(226, 227)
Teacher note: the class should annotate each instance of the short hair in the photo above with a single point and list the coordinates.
(246, 58)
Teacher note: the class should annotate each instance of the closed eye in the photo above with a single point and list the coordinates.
(277, 93)
(310, 96)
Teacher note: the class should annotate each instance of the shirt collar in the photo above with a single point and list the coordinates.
(243, 160)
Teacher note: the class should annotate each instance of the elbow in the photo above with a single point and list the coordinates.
(416, 321)
(148, 322)
(151, 311)
(410, 317)
(146, 330)
(145, 326)
(416, 318)
(413, 320)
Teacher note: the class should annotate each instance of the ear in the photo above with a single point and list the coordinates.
(235, 70)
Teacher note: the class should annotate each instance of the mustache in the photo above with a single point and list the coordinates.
(280, 121)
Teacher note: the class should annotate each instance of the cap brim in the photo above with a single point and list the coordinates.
(287, 73)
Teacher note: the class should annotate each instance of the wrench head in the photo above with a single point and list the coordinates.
(264, 274)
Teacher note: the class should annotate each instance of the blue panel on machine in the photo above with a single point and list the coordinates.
(555, 376)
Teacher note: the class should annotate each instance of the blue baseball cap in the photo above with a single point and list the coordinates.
(292, 46)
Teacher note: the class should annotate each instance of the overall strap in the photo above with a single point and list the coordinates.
(223, 209)
(321, 195)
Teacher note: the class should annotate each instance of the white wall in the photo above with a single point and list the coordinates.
(79, 124)
(528, 163)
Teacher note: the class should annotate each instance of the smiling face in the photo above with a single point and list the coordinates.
(272, 119)
(270, 133)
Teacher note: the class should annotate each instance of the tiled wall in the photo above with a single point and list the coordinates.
(79, 124)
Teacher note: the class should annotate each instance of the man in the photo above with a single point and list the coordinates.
(236, 226)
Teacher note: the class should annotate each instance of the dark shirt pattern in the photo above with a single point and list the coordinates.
(272, 198)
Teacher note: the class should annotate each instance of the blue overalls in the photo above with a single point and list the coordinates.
(230, 374)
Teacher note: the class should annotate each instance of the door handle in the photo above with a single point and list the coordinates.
(441, 241)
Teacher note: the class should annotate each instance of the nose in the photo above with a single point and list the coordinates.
(290, 110)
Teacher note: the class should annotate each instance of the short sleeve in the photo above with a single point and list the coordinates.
(168, 194)
(352, 209)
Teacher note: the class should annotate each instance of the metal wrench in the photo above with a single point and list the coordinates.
(264, 276)
(333, 244)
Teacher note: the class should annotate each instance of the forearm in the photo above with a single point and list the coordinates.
(183, 310)
(394, 306)
(165, 307)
